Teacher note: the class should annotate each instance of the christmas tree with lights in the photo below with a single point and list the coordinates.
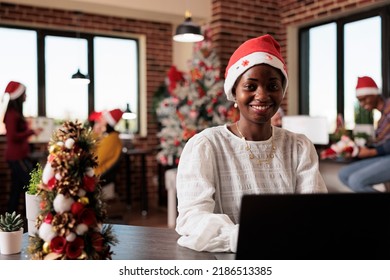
(196, 101)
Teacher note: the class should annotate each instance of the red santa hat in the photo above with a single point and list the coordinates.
(366, 86)
(14, 90)
(112, 117)
(263, 49)
(94, 116)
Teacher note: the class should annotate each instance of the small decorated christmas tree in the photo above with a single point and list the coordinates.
(70, 224)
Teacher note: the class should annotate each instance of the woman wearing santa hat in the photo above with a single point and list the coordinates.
(17, 134)
(109, 145)
(362, 175)
(221, 164)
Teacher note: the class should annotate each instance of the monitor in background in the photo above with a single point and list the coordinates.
(315, 128)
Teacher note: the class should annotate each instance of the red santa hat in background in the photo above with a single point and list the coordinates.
(260, 50)
(94, 116)
(366, 86)
(112, 117)
(14, 90)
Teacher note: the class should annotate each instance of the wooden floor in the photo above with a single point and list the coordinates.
(156, 216)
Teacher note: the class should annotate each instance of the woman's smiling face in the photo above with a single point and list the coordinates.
(259, 92)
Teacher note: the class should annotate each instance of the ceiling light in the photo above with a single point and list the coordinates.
(80, 78)
(188, 31)
(128, 114)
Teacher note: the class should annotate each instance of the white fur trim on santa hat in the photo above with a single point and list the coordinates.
(110, 120)
(367, 91)
(247, 62)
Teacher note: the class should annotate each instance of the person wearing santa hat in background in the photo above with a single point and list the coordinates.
(221, 164)
(109, 145)
(362, 175)
(17, 149)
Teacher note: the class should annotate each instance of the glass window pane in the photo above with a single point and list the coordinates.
(66, 100)
(18, 62)
(322, 73)
(116, 75)
(362, 58)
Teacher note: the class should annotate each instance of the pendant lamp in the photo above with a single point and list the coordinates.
(79, 77)
(188, 31)
(128, 114)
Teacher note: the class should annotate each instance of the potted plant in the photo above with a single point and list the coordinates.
(11, 232)
(33, 199)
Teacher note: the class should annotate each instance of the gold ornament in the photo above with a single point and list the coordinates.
(46, 248)
(84, 200)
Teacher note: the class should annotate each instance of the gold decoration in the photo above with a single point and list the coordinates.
(69, 163)
(46, 247)
(84, 200)
(269, 157)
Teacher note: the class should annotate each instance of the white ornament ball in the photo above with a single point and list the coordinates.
(62, 203)
(46, 232)
(69, 143)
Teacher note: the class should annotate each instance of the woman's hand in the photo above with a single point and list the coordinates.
(365, 152)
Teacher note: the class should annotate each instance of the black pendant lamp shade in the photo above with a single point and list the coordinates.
(188, 31)
(128, 114)
(80, 77)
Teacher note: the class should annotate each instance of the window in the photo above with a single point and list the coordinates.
(116, 75)
(361, 58)
(18, 62)
(111, 62)
(63, 57)
(333, 55)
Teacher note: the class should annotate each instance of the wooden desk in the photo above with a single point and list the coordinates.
(130, 155)
(142, 243)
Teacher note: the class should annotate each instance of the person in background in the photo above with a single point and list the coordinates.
(221, 164)
(373, 168)
(276, 119)
(17, 148)
(109, 146)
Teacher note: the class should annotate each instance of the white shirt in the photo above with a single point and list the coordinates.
(215, 171)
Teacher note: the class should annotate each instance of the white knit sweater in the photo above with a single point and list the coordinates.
(215, 171)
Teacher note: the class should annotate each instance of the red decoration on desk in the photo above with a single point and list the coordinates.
(345, 148)
(70, 226)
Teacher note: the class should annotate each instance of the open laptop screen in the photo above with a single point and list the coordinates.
(315, 226)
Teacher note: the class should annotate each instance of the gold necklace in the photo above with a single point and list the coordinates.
(252, 155)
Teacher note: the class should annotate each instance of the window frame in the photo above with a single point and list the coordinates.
(304, 49)
(41, 80)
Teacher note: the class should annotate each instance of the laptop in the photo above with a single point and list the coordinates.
(334, 226)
